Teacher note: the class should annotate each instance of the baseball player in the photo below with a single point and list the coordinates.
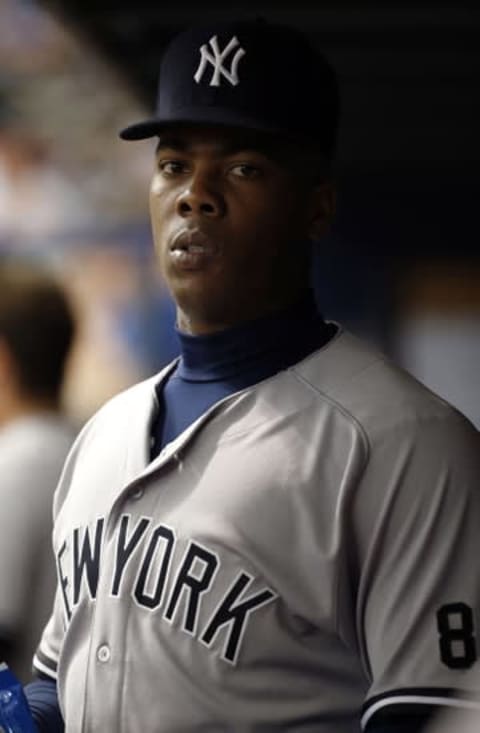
(278, 531)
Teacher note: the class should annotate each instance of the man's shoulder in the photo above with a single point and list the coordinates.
(122, 415)
(131, 400)
(372, 391)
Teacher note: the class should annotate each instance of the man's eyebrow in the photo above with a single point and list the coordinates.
(230, 147)
(171, 142)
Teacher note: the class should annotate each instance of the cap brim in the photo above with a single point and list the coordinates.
(141, 130)
(197, 116)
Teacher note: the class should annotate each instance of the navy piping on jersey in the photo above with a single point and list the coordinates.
(214, 366)
(413, 703)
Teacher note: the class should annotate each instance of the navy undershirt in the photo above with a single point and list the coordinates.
(214, 366)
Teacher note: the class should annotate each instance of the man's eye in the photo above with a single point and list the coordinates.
(244, 170)
(171, 167)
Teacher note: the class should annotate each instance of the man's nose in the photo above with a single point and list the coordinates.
(201, 197)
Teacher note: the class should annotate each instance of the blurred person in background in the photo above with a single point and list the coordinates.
(36, 334)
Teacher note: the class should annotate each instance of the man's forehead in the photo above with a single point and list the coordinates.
(219, 139)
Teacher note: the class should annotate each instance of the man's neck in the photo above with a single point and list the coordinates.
(195, 324)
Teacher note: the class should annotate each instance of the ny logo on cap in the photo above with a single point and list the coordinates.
(217, 61)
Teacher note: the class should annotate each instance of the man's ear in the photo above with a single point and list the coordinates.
(322, 211)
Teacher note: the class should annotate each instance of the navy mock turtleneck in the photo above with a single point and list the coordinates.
(214, 366)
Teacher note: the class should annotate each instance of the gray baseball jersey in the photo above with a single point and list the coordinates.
(305, 548)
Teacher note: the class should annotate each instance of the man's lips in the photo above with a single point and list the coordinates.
(192, 249)
(192, 239)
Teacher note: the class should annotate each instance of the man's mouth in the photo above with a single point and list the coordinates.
(192, 249)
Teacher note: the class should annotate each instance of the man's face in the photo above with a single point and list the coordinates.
(230, 221)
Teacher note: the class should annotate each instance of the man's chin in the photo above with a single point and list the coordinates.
(202, 311)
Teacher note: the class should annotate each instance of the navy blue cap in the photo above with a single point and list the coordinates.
(252, 74)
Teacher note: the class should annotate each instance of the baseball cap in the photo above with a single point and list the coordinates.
(252, 74)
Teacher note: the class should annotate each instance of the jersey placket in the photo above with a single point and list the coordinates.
(107, 653)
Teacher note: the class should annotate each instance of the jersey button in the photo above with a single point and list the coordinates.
(103, 653)
(137, 494)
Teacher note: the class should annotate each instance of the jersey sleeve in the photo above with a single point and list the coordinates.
(45, 660)
(47, 654)
(417, 527)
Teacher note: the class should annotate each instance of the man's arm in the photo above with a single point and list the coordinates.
(415, 721)
(42, 699)
(417, 514)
